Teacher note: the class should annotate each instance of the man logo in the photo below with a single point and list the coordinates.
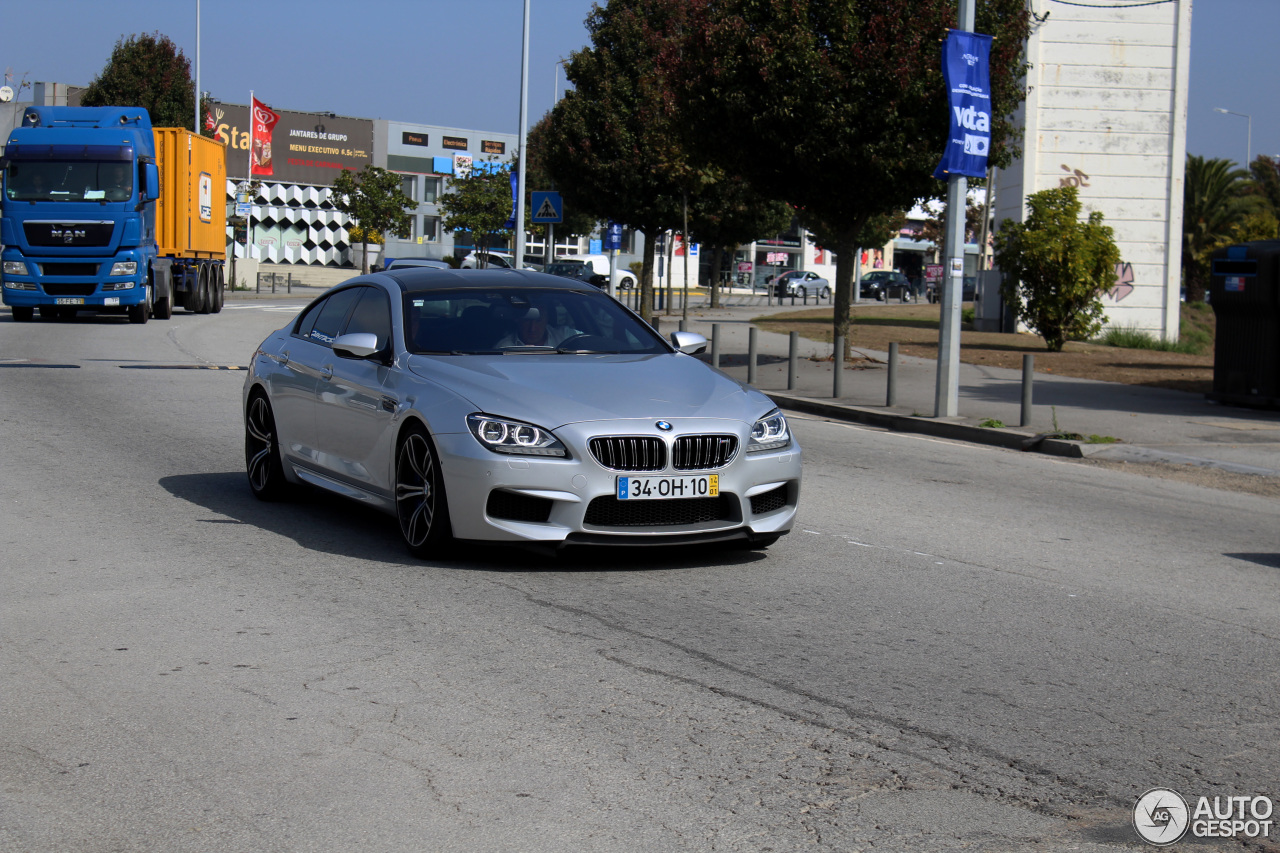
(1161, 816)
(68, 235)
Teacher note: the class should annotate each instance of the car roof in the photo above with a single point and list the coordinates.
(397, 263)
(420, 279)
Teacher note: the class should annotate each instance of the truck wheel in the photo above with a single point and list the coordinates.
(191, 296)
(206, 293)
(141, 312)
(163, 309)
(24, 314)
(219, 297)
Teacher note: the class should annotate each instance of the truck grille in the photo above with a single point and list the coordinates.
(630, 452)
(69, 289)
(608, 511)
(700, 452)
(76, 234)
(81, 269)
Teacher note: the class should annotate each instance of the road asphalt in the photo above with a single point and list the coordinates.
(1147, 424)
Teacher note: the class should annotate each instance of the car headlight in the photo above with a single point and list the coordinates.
(506, 436)
(769, 433)
(124, 268)
(15, 268)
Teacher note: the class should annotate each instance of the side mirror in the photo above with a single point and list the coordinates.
(690, 343)
(356, 345)
(149, 190)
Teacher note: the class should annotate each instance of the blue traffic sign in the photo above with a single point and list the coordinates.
(613, 236)
(547, 207)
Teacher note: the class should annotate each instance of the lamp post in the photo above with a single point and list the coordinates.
(1248, 151)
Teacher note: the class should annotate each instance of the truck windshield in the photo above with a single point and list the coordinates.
(68, 180)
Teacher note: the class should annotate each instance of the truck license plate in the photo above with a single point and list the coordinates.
(68, 300)
(665, 488)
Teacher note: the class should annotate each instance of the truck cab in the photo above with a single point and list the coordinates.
(82, 201)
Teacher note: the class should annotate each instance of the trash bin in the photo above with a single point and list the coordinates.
(1244, 289)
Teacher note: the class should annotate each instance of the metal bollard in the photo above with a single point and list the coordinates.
(793, 360)
(682, 328)
(715, 345)
(751, 356)
(257, 284)
(837, 365)
(891, 395)
(1028, 372)
(288, 285)
(655, 322)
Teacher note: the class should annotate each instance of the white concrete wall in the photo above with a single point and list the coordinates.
(1106, 111)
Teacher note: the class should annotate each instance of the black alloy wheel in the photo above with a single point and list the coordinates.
(420, 500)
(262, 451)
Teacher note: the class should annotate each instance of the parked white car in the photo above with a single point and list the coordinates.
(623, 277)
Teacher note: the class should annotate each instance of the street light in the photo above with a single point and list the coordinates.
(1248, 155)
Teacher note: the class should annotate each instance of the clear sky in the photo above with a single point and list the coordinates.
(458, 65)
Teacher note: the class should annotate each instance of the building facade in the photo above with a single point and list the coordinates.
(1106, 112)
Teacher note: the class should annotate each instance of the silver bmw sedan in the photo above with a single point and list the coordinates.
(512, 406)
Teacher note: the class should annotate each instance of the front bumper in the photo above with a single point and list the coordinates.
(91, 288)
(556, 501)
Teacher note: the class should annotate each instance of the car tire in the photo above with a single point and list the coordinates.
(421, 505)
(880, 296)
(262, 451)
(825, 294)
(802, 292)
(24, 313)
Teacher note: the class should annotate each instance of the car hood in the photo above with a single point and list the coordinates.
(552, 390)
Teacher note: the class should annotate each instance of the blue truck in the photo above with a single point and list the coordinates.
(102, 212)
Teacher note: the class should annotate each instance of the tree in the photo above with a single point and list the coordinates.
(837, 107)
(728, 213)
(147, 70)
(1057, 267)
(480, 203)
(538, 179)
(372, 198)
(609, 145)
(1215, 199)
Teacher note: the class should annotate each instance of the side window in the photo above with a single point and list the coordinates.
(308, 320)
(372, 315)
(332, 314)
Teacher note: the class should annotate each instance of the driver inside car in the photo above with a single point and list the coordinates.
(534, 329)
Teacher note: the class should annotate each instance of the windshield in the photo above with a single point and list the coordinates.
(470, 321)
(68, 180)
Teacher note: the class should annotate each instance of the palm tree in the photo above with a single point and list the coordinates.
(1215, 199)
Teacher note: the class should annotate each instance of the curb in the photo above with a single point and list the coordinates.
(1009, 439)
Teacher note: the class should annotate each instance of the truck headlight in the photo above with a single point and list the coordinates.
(19, 285)
(769, 433)
(15, 268)
(124, 268)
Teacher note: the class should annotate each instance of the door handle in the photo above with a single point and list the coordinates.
(326, 372)
(284, 357)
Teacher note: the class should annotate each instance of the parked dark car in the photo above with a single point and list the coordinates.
(801, 283)
(886, 284)
(578, 271)
(404, 263)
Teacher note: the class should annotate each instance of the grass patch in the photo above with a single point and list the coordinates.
(1196, 328)
(1101, 439)
(992, 423)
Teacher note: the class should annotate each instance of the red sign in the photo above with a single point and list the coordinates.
(263, 122)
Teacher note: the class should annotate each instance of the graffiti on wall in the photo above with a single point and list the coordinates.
(1124, 282)
(1075, 178)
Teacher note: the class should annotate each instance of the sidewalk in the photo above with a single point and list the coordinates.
(1151, 424)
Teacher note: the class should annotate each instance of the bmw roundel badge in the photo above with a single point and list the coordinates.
(664, 426)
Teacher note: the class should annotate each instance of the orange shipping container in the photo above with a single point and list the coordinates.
(191, 214)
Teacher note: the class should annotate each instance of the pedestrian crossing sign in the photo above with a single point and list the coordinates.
(547, 207)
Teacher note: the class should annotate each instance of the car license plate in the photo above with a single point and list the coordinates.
(67, 300)
(667, 488)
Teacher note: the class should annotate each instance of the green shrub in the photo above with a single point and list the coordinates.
(1192, 342)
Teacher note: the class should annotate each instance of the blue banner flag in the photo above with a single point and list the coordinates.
(510, 224)
(965, 69)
